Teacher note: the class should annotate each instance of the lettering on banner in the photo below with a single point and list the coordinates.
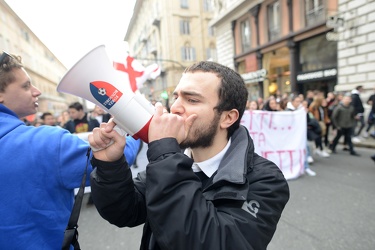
(279, 137)
(266, 121)
(284, 158)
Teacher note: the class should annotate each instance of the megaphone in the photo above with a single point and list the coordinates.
(94, 78)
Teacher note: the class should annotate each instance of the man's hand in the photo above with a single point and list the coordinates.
(110, 142)
(166, 125)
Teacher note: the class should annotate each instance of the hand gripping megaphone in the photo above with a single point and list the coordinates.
(94, 78)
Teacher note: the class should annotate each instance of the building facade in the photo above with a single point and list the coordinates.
(43, 67)
(279, 46)
(173, 34)
(354, 29)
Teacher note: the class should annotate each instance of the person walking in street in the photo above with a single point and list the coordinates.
(216, 194)
(371, 116)
(320, 113)
(343, 117)
(359, 113)
(327, 123)
(295, 103)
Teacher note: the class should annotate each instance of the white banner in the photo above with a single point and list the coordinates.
(280, 137)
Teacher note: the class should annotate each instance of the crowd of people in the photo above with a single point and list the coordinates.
(329, 117)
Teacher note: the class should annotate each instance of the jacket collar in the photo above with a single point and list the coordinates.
(233, 167)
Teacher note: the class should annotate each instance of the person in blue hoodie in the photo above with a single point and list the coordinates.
(40, 166)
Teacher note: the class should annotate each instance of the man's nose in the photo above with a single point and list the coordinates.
(177, 107)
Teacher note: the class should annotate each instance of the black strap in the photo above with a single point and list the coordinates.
(71, 232)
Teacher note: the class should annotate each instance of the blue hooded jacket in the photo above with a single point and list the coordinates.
(39, 169)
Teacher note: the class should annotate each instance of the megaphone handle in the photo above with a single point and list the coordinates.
(119, 130)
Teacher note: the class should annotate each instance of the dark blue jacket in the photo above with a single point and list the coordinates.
(238, 208)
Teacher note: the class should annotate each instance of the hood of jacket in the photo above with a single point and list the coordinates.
(233, 168)
(8, 121)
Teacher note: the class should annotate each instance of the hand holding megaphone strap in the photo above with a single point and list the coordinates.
(118, 130)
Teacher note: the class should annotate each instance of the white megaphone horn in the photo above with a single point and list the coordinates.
(93, 78)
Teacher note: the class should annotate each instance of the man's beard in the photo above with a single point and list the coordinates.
(202, 137)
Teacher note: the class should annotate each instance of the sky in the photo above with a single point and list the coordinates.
(71, 28)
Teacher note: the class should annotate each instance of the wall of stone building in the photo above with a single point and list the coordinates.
(224, 40)
(356, 46)
(156, 24)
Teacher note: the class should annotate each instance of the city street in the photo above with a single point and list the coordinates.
(333, 210)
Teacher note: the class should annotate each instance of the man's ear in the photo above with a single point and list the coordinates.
(228, 118)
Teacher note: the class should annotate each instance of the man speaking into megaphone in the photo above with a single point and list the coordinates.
(216, 194)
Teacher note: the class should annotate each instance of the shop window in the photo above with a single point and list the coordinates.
(314, 12)
(274, 21)
(278, 72)
(317, 53)
(184, 27)
(245, 35)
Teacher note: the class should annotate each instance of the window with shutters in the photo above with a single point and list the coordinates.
(314, 10)
(188, 53)
(274, 20)
(184, 4)
(184, 27)
(245, 36)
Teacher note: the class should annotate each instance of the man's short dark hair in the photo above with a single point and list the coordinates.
(232, 91)
(76, 105)
(43, 116)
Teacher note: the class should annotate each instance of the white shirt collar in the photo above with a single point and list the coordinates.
(209, 166)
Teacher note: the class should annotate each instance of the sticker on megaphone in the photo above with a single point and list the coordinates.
(132, 111)
(93, 78)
